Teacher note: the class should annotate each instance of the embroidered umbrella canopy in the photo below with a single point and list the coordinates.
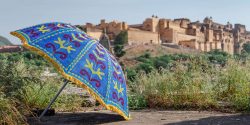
(80, 59)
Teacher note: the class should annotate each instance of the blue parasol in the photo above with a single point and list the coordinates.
(80, 59)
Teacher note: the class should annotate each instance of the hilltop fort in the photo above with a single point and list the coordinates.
(203, 36)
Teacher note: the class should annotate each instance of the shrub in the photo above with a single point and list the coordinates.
(234, 86)
(9, 114)
(118, 49)
(180, 57)
(14, 75)
(246, 47)
(146, 55)
(131, 74)
(162, 62)
(39, 95)
(28, 57)
(175, 89)
(137, 101)
(217, 57)
(147, 67)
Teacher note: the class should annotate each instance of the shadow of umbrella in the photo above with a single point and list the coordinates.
(89, 118)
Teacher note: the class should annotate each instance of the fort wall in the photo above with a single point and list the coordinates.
(189, 43)
(204, 36)
(95, 33)
(142, 37)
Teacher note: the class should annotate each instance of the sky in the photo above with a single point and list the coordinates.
(17, 14)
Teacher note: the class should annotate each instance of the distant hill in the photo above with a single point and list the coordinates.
(4, 41)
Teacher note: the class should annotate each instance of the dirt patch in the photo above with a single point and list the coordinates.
(145, 117)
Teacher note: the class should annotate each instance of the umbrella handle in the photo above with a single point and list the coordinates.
(54, 99)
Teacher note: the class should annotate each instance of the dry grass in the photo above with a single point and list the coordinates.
(199, 85)
(9, 114)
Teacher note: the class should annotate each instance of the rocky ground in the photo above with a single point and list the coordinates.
(145, 117)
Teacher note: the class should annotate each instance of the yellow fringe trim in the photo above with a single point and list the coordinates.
(68, 77)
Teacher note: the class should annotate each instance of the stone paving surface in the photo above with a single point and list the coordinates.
(145, 117)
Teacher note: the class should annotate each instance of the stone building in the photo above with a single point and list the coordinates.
(203, 36)
(137, 34)
(11, 48)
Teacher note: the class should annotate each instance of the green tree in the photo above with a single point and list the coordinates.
(246, 47)
(147, 67)
(118, 49)
(120, 40)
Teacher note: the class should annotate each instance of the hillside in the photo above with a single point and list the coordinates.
(4, 41)
(155, 50)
